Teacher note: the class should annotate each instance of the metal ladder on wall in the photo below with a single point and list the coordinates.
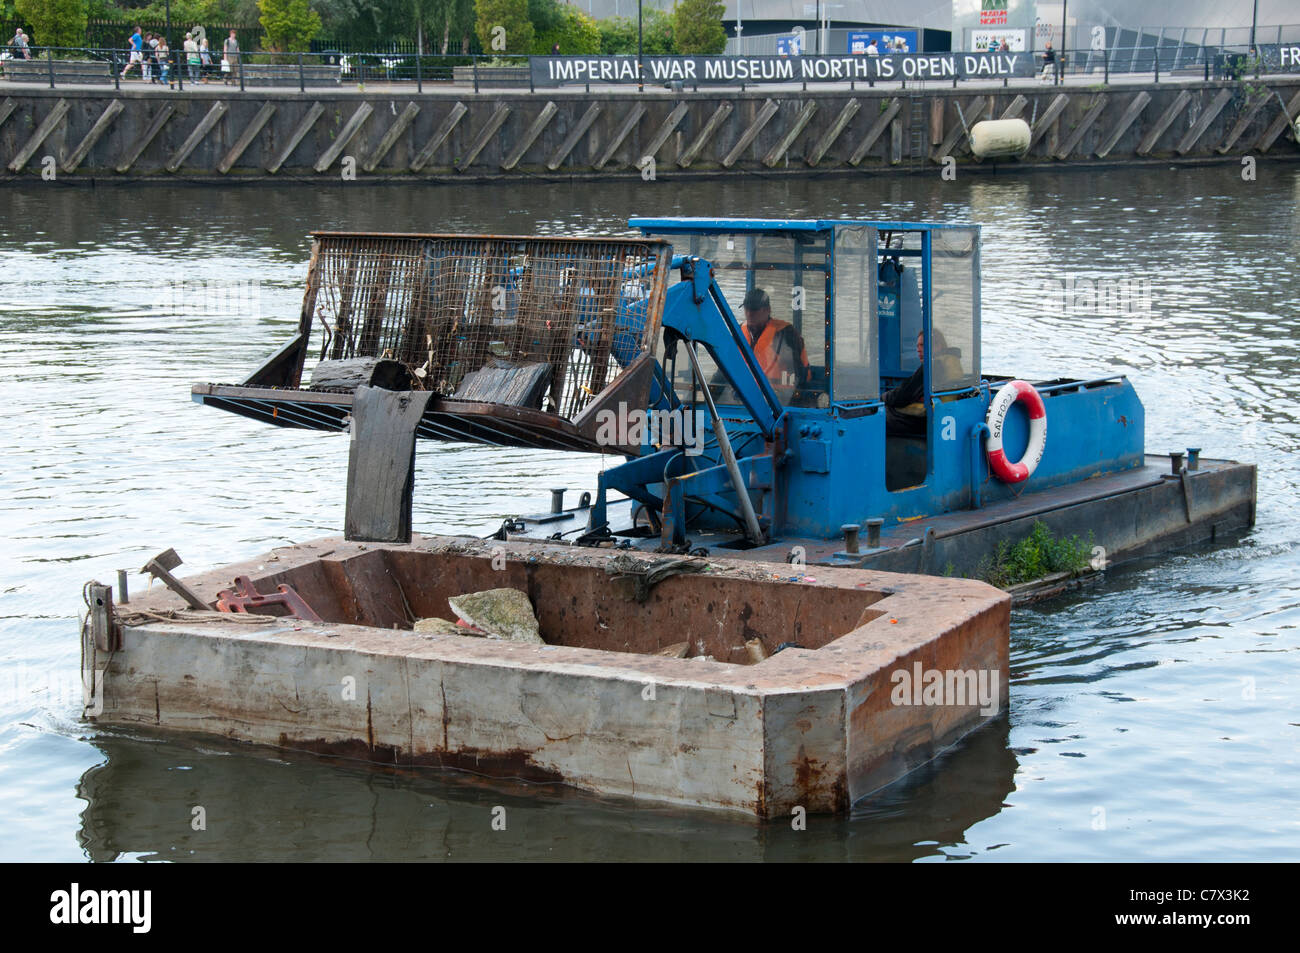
(918, 124)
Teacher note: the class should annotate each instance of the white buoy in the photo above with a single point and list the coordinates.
(999, 138)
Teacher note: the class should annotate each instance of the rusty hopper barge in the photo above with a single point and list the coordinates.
(666, 647)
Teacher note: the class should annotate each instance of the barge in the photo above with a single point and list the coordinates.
(706, 625)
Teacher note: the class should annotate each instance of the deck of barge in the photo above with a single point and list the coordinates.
(1128, 514)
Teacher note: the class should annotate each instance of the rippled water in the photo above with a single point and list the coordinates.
(1152, 717)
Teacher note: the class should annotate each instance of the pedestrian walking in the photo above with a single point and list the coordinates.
(135, 53)
(163, 55)
(230, 59)
(150, 51)
(1049, 61)
(192, 58)
(205, 59)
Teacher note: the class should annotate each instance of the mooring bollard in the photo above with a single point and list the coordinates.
(873, 532)
(123, 597)
(850, 531)
(557, 499)
(1193, 458)
(1176, 462)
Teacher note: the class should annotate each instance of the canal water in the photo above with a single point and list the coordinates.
(1152, 717)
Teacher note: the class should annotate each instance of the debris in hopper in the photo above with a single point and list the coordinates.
(436, 626)
(500, 614)
(645, 575)
(676, 650)
(501, 382)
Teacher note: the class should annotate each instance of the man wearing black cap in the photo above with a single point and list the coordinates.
(776, 344)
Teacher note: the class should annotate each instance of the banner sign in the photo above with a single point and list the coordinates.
(734, 70)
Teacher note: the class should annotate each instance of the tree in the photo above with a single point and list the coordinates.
(697, 26)
(617, 36)
(503, 26)
(657, 31)
(554, 22)
(54, 22)
(289, 24)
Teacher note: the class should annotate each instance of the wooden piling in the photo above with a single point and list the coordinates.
(779, 150)
(765, 114)
(1129, 116)
(1269, 136)
(449, 123)
(246, 138)
(1048, 118)
(1207, 116)
(403, 120)
(490, 128)
(530, 136)
(665, 129)
(701, 140)
(42, 132)
(1085, 123)
(823, 145)
(633, 117)
(137, 148)
(93, 136)
(346, 134)
(1166, 119)
(204, 127)
(299, 133)
(574, 137)
(880, 125)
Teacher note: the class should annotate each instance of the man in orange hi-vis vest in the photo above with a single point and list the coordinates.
(776, 344)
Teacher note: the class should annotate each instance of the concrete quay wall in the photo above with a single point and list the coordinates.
(222, 134)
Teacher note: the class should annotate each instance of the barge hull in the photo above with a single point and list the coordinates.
(815, 727)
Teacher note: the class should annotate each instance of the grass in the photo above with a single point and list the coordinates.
(1037, 555)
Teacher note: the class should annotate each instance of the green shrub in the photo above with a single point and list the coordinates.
(618, 35)
(511, 16)
(576, 32)
(1037, 555)
(289, 24)
(697, 27)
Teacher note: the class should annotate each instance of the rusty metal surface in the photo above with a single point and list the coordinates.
(450, 305)
(801, 727)
(244, 597)
(453, 420)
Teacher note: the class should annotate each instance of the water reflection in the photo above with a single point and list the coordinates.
(258, 805)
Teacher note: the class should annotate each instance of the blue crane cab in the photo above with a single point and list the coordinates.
(833, 446)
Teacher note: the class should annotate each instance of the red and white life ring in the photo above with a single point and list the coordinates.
(1007, 395)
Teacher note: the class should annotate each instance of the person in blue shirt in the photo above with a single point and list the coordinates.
(136, 51)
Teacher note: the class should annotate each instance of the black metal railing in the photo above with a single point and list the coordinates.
(70, 66)
(175, 68)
